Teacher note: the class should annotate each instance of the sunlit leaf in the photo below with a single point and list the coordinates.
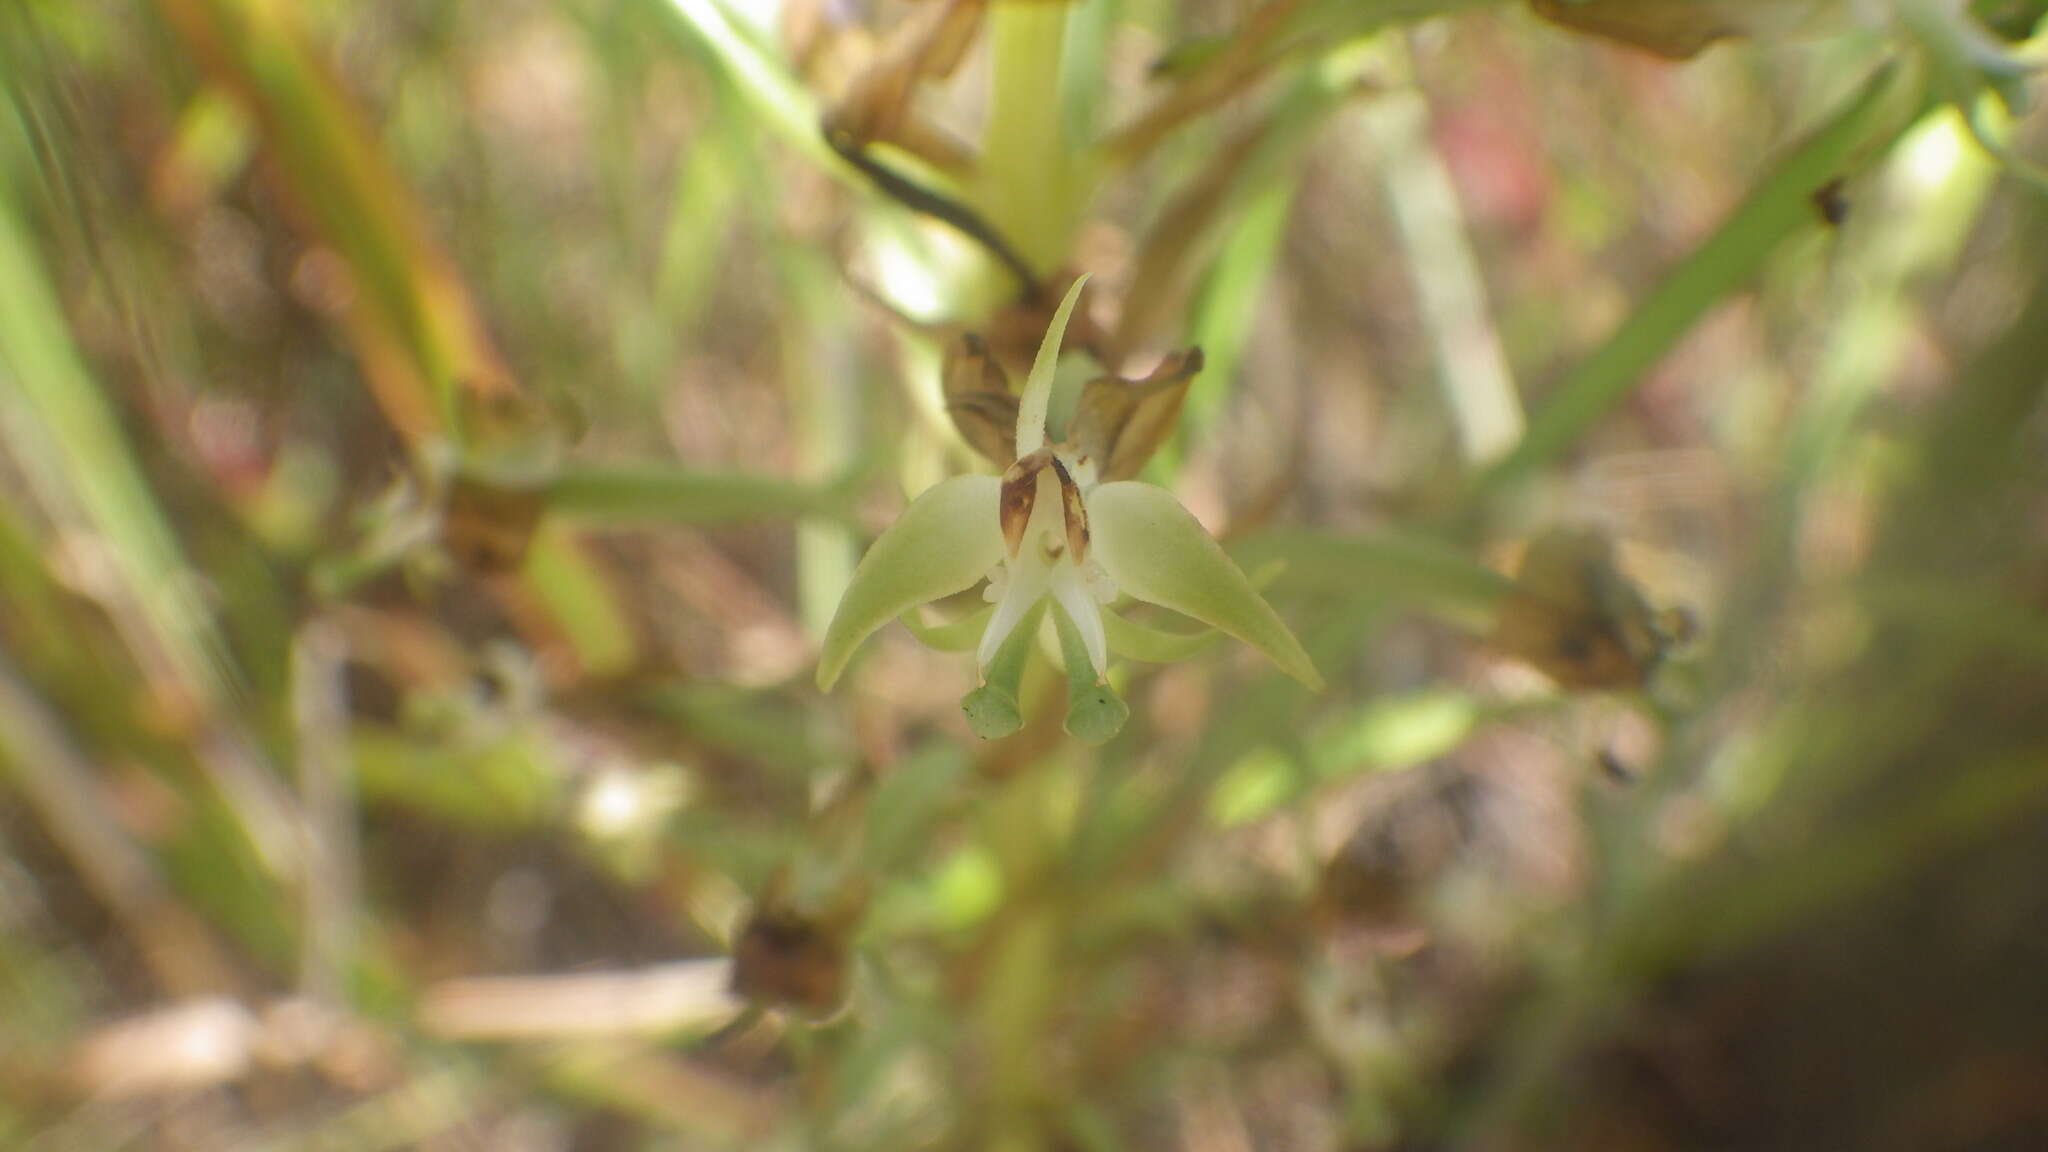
(1780, 205)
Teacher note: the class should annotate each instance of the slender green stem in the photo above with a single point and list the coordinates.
(644, 493)
(1030, 186)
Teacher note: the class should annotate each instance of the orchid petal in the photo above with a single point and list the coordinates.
(1037, 397)
(945, 541)
(1081, 608)
(992, 709)
(1025, 589)
(1158, 552)
(1094, 711)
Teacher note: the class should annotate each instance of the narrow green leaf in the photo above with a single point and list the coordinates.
(1776, 209)
(640, 493)
(1384, 564)
(779, 98)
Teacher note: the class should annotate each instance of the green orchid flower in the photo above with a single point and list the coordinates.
(1049, 534)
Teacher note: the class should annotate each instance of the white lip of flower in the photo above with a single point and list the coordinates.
(1047, 528)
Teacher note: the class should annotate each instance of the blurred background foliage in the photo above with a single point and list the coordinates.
(433, 436)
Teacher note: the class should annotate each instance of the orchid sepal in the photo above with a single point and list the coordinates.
(945, 542)
(1137, 641)
(1158, 552)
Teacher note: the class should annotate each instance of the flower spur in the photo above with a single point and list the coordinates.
(1049, 532)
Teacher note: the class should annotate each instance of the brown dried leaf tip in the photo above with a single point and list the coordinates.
(1579, 619)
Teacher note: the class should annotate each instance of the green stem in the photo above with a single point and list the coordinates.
(1029, 187)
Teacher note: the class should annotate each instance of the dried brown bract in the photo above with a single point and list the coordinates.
(1120, 423)
(978, 398)
(879, 105)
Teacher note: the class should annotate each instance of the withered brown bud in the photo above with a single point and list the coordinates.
(785, 960)
(487, 525)
(1579, 619)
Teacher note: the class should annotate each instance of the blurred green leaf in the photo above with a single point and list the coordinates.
(655, 494)
(1779, 206)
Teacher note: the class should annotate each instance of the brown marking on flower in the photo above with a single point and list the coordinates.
(1074, 510)
(1020, 496)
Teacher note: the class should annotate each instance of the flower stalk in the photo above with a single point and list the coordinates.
(1027, 181)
